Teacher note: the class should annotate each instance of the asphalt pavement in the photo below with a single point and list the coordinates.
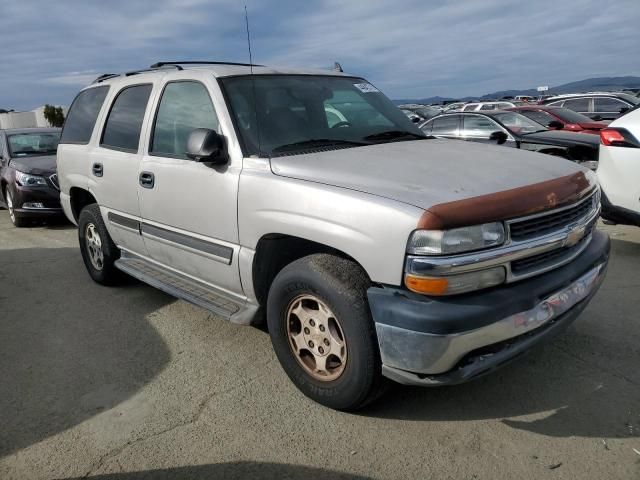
(129, 383)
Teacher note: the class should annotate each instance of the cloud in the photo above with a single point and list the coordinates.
(412, 48)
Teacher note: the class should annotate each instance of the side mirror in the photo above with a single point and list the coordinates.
(499, 137)
(206, 146)
(597, 118)
(624, 109)
(555, 125)
(416, 119)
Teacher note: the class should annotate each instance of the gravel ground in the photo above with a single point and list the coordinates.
(129, 383)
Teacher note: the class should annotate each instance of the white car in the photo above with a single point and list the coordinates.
(619, 169)
(475, 107)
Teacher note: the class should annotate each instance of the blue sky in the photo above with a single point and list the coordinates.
(408, 48)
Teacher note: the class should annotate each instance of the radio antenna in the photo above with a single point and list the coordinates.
(253, 83)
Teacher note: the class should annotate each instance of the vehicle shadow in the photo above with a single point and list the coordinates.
(232, 470)
(585, 383)
(69, 348)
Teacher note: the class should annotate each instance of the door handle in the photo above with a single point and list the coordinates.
(97, 169)
(147, 179)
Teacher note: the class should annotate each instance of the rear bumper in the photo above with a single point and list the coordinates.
(620, 215)
(443, 341)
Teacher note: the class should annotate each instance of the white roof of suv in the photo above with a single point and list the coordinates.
(219, 69)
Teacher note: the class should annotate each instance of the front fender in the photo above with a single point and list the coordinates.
(372, 230)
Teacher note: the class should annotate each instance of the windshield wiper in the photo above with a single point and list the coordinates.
(318, 142)
(394, 135)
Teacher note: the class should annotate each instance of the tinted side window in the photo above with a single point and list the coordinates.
(447, 125)
(604, 104)
(577, 104)
(83, 114)
(122, 129)
(184, 106)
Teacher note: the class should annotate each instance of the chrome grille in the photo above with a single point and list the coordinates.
(54, 181)
(552, 257)
(540, 225)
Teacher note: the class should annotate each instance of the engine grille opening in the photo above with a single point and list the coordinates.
(539, 226)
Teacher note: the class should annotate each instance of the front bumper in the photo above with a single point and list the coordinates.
(449, 340)
(49, 197)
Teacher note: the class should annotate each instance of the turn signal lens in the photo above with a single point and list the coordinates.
(426, 285)
(455, 284)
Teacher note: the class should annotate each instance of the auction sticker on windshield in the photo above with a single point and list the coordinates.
(366, 87)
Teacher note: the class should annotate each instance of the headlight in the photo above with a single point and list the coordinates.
(27, 180)
(456, 240)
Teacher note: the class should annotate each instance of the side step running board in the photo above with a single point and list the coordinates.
(187, 289)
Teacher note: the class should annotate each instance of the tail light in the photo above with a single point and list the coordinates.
(618, 137)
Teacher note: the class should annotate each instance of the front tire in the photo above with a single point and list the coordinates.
(17, 221)
(322, 332)
(98, 250)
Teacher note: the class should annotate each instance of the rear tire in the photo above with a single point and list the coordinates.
(322, 332)
(98, 250)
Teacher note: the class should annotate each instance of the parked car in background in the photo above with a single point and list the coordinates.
(28, 181)
(453, 107)
(559, 118)
(484, 106)
(374, 250)
(619, 169)
(512, 129)
(424, 111)
(596, 105)
(524, 98)
(414, 117)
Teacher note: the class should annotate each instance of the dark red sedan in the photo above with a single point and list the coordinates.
(558, 118)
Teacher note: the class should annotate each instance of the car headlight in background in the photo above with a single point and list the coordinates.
(456, 240)
(27, 180)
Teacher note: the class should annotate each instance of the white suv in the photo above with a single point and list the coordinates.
(619, 169)
(307, 197)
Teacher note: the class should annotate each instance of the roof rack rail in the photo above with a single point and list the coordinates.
(205, 62)
(105, 76)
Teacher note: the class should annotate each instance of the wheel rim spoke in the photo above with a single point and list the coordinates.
(94, 246)
(316, 338)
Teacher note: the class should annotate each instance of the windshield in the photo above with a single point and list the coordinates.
(31, 144)
(297, 113)
(570, 116)
(518, 123)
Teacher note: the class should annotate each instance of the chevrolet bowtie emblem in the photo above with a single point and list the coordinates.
(574, 236)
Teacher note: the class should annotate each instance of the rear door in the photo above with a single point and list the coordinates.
(115, 165)
(447, 126)
(581, 105)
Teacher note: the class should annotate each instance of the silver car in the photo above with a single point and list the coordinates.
(374, 251)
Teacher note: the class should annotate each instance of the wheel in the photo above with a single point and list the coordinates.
(17, 221)
(322, 331)
(98, 250)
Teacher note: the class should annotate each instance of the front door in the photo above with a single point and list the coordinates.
(189, 209)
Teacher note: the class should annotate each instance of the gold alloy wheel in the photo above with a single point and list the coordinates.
(316, 338)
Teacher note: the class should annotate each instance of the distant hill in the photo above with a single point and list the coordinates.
(587, 85)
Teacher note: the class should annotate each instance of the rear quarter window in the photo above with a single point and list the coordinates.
(83, 114)
(124, 123)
